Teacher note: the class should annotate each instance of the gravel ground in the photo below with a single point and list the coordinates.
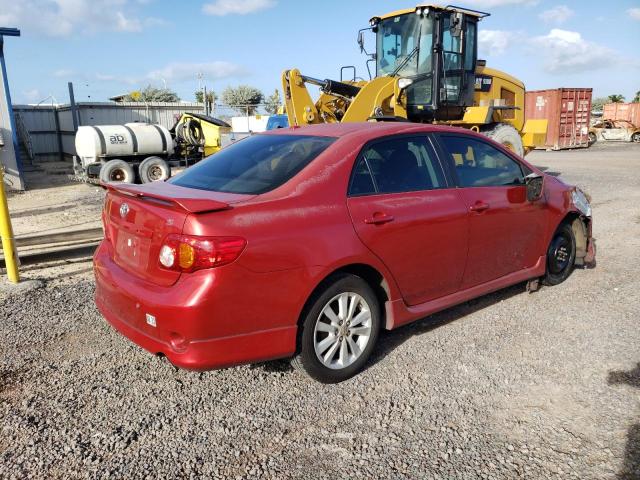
(542, 385)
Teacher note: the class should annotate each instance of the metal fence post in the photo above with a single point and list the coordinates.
(6, 232)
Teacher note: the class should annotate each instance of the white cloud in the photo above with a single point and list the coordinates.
(32, 96)
(494, 42)
(558, 15)
(63, 73)
(63, 17)
(239, 7)
(177, 72)
(565, 51)
(489, 4)
(634, 13)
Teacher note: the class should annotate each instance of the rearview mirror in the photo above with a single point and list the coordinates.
(534, 183)
(361, 40)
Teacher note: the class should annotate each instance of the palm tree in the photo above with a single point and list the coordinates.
(636, 99)
(616, 98)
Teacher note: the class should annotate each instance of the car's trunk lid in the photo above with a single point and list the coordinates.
(139, 217)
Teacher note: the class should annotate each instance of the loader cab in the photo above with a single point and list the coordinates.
(433, 50)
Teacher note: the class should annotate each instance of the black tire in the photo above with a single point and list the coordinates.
(307, 360)
(153, 169)
(507, 136)
(117, 171)
(561, 255)
(593, 138)
(635, 138)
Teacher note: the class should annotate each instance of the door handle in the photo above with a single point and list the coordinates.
(479, 207)
(378, 219)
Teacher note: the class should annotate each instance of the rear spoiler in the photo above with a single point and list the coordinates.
(188, 204)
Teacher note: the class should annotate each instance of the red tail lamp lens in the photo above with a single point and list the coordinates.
(188, 253)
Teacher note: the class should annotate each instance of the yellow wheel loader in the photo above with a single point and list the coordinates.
(426, 70)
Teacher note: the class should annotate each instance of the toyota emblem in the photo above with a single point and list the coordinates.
(124, 209)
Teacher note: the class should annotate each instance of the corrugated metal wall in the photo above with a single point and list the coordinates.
(47, 137)
(41, 123)
(623, 111)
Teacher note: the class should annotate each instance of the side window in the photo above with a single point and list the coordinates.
(478, 164)
(397, 165)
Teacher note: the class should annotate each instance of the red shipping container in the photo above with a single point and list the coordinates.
(622, 111)
(568, 111)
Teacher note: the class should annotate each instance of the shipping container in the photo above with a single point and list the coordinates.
(622, 111)
(568, 111)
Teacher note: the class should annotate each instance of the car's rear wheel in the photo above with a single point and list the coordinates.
(561, 255)
(635, 137)
(339, 330)
(592, 138)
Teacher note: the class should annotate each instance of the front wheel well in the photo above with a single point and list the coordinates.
(580, 227)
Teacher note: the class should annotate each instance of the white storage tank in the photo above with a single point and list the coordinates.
(118, 141)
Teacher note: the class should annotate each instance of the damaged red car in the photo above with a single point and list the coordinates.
(307, 242)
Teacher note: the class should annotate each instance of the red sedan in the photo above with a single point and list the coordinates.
(305, 242)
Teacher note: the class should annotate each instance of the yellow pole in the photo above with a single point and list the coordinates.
(6, 232)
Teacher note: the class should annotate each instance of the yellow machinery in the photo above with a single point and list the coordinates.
(6, 235)
(427, 70)
(200, 131)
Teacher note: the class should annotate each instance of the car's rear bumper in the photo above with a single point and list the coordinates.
(194, 327)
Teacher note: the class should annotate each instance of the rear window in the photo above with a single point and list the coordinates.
(254, 165)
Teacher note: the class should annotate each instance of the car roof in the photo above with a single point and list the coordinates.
(362, 130)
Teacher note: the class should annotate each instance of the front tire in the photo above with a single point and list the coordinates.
(561, 255)
(507, 136)
(635, 138)
(339, 327)
(593, 138)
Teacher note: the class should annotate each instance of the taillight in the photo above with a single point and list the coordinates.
(188, 253)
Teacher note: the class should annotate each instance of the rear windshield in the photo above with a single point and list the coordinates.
(254, 165)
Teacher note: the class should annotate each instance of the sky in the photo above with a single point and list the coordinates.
(110, 47)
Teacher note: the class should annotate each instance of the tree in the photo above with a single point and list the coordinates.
(616, 98)
(211, 98)
(597, 104)
(273, 103)
(636, 99)
(152, 94)
(244, 99)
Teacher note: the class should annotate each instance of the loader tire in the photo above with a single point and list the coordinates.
(507, 136)
(117, 171)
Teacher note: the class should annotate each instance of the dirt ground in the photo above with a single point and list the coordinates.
(511, 385)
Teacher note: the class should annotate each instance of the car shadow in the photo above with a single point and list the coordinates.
(631, 466)
(391, 339)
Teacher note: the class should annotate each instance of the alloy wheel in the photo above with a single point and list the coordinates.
(342, 330)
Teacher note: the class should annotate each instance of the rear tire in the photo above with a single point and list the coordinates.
(153, 169)
(561, 255)
(635, 138)
(340, 327)
(507, 136)
(593, 138)
(117, 171)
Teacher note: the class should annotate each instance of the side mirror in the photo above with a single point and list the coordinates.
(534, 183)
(361, 40)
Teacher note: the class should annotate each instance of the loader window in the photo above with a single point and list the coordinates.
(254, 165)
(404, 41)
